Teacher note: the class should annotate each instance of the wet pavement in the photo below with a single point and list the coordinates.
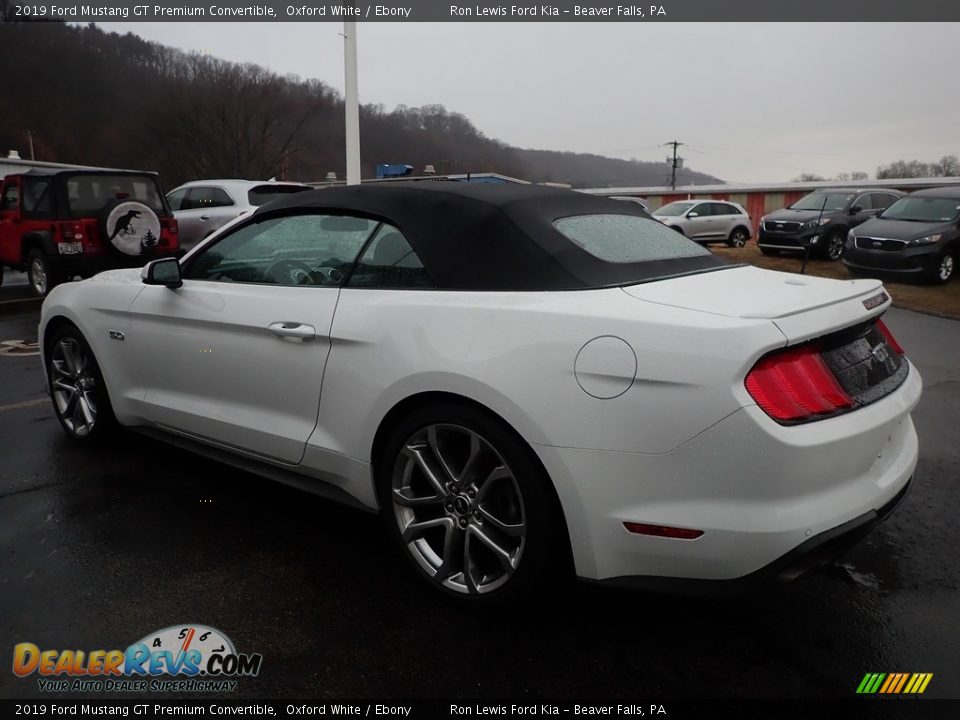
(97, 549)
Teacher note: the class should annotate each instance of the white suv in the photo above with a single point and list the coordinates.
(203, 206)
(707, 220)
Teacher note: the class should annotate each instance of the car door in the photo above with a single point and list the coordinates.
(699, 226)
(10, 221)
(236, 356)
(724, 220)
(867, 210)
(203, 209)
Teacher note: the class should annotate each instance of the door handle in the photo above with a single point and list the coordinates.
(204, 217)
(293, 331)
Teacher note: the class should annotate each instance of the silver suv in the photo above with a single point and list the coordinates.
(707, 220)
(203, 206)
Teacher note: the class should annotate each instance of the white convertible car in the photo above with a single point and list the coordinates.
(519, 379)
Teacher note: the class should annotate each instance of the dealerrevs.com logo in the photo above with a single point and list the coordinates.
(197, 658)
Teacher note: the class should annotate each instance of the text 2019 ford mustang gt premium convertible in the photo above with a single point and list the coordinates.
(516, 377)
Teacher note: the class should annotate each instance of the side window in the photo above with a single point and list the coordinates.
(11, 197)
(295, 250)
(883, 200)
(389, 262)
(733, 210)
(864, 202)
(720, 209)
(201, 198)
(175, 199)
(37, 196)
(702, 210)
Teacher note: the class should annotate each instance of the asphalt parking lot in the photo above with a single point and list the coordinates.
(99, 549)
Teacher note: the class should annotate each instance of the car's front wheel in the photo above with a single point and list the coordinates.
(470, 507)
(945, 267)
(834, 246)
(77, 389)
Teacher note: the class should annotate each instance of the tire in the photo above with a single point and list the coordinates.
(488, 491)
(42, 277)
(738, 237)
(769, 252)
(945, 268)
(833, 248)
(77, 390)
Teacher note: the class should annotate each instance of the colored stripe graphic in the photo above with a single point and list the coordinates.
(894, 683)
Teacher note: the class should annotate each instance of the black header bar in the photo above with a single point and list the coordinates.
(488, 11)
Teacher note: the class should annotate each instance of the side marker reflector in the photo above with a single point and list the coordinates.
(663, 531)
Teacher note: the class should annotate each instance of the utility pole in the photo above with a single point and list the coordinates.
(351, 101)
(675, 162)
(30, 134)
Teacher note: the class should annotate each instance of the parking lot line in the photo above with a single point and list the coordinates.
(24, 404)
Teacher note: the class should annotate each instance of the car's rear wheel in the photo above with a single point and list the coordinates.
(77, 389)
(834, 246)
(469, 506)
(945, 267)
(769, 251)
(738, 238)
(41, 276)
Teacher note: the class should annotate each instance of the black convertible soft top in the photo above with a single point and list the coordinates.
(480, 236)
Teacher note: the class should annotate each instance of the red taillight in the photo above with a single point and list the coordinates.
(888, 336)
(663, 531)
(796, 385)
(71, 232)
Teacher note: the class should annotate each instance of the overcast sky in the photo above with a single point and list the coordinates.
(754, 102)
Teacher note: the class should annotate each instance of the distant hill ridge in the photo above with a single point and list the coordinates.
(96, 98)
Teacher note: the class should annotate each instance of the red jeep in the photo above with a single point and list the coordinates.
(57, 224)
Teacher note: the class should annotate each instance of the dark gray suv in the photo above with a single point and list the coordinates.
(819, 222)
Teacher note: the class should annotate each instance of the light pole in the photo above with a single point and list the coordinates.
(351, 101)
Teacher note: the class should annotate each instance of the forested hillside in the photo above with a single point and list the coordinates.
(97, 98)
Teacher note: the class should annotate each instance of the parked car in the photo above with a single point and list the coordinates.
(707, 220)
(632, 198)
(57, 224)
(203, 206)
(819, 222)
(919, 235)
(516, 378)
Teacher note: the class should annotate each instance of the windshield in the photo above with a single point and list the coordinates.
(627, 238)
(89, 194)
(923, 209)
(673, 209)
(262, 194)
(826, 201)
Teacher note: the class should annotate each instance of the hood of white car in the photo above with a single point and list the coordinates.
(123, 276)
(800, 305)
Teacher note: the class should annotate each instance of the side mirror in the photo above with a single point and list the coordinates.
(854, 209)
(165, 271)
(693, 214)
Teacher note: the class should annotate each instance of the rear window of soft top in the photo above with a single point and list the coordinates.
(627, 238)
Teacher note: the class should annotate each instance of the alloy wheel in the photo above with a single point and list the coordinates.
(459, 509)
(74, 386)
(945, 271)
(38, 276)
(739, 239)
(835, 246)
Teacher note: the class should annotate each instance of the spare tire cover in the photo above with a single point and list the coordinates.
(130, 227)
